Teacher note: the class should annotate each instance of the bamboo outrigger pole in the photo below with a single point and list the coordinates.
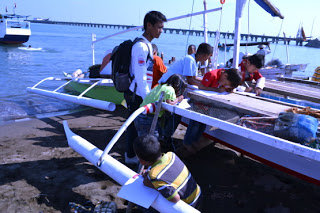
(171, 19)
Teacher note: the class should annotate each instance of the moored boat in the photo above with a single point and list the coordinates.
(290, 157)
(14, 29)
(283, 71)
(313, 43)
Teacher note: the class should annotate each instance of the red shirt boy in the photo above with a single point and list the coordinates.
(158, 70)
(215, 80)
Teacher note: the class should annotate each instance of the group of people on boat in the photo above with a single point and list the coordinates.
(144, 146)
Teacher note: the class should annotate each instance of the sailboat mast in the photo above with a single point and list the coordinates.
(287, 51)
(205, 29)
(168, 20)
(239, 7)
(312, 28)
(299, 32)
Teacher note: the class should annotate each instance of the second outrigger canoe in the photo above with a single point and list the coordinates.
(104, 90)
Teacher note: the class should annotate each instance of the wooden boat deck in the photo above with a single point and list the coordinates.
(242, 104)
(296, 90)
(299, 80)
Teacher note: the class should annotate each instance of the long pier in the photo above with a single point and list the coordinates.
(228, 35)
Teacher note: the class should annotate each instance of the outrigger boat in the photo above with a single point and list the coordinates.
(14, 29)
(290, 157)
(293, 158)
(78, 99)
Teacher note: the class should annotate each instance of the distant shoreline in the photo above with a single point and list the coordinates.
(229, 35)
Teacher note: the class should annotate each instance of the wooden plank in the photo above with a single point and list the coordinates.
(297, 80)
(241, 104)
(270, 100)
(293, 90)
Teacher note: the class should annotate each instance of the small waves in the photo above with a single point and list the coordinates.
(17, 107)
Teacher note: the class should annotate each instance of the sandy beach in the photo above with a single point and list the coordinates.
(41, 173)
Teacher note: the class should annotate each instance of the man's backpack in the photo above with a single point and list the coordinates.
(121, 60)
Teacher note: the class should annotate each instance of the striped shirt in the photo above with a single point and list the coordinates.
(170, 177)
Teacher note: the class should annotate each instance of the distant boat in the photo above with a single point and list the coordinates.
(14, 29)
(313, 43)
(223, 47)
(301, 34)
(41, 19)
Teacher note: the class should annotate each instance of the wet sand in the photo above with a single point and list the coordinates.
(40, 173)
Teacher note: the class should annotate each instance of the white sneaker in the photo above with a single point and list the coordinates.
(133, 160)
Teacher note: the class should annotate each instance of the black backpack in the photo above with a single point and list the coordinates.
(121, 60)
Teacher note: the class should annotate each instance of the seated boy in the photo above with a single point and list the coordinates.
(166, 173)
(250, 71)
(218, 80)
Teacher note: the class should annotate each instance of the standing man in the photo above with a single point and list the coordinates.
(141, 60)
(262, 50)
(187, 66)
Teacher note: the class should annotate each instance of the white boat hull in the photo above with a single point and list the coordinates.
(293, 158)
(119, 172)
(304, 167)
(13, 30)
(275, 72)
(104, 105)
(100, 104)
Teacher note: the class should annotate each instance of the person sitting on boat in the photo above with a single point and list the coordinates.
(166, 173)
(140, 62)
(262, 50)
(219, 80)
(106, 65)
(192, 49)
(173, 89)
(158, 67)
(187, 66)
(250, 71)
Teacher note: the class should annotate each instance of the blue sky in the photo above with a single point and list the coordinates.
(131, 12)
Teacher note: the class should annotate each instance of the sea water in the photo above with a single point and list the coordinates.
(62, 48)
